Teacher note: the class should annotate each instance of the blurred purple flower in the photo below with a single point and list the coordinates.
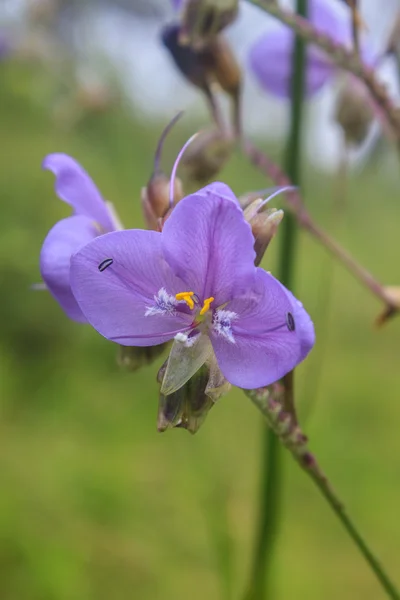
(196, 283)
(92, 217)
(270, 56)
(5, 46)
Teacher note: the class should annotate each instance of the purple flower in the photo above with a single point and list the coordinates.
(195, 283)
(270, 56)
(5, 46)
(92, 217)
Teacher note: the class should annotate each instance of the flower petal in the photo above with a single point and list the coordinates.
(116, 298)
(74, 186)
(62, 241)
(265, 345)
(177, 4)
(209, 245)
(270, 61)
(271, 55)
(183, 362)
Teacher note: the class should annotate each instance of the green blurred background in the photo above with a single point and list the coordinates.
(94, 503)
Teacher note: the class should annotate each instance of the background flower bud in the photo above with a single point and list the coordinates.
(263, 226)
(207, 155)
(190, 62)
(202, 20)
(354, 111)
(132, 358)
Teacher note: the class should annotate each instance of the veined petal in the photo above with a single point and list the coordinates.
(271, 336)
(209, 245)
(62, 241)
(126, 299)
(184, 361)
(74, 186)
(217, 188)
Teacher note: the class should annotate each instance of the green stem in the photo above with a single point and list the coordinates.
(271, 483)
(270, 402)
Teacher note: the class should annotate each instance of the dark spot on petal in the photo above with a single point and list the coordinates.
(290, 322)
(105, 264)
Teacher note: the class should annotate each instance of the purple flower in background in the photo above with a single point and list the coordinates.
(5, 46)
(92, 217)
(194, 283)
(270, 56)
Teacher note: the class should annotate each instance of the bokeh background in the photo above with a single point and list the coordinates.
(94, 503)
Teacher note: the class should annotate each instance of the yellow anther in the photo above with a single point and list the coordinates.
(206, 305)
(187, 297)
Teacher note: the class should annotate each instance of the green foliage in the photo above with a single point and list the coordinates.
(94, 503)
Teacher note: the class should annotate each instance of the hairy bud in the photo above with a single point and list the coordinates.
(156, 196)
(214, 65)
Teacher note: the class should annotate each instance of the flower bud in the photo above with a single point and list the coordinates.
(155, 198)
(214, 64)
(202, 20)
(132, 358)
(190, 404)
(264, 224)
(190, 62)
(354, 111)
(223, 66)
(207, 155)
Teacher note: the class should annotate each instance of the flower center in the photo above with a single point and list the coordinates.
(188, 298)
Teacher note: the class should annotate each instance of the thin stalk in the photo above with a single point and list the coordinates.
(296, 206)
(270, 402)
(271, 480)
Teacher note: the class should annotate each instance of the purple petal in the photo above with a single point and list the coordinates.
(74, 186)
(209, 245)
(177, 4)
(62, 241)
(271, 55)
(5, 46)
(265, 347)
(270, 60)
(116, 298)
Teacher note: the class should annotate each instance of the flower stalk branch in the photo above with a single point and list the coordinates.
(296, 206)
(269, 401)
(343, 57)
